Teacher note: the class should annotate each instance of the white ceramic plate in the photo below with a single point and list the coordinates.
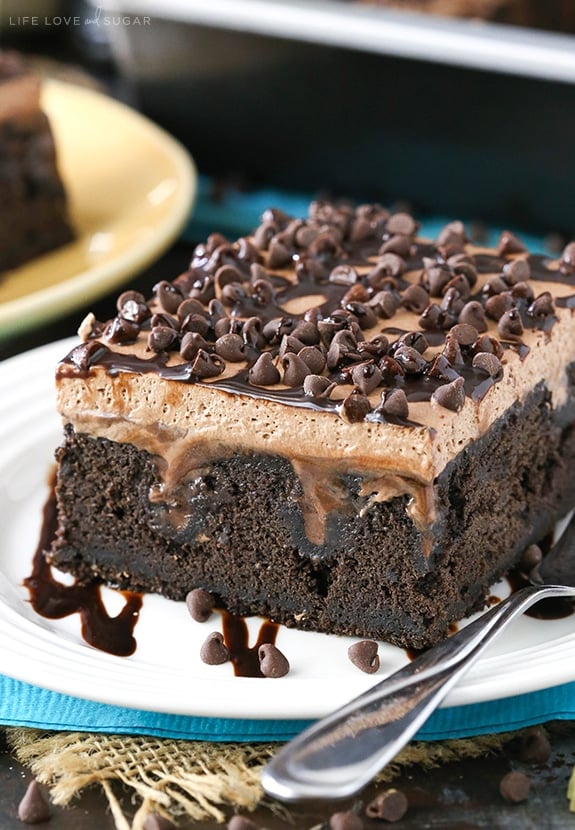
(130, 187)
(165, 673)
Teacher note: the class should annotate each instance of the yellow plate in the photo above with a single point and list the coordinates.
(131, 187)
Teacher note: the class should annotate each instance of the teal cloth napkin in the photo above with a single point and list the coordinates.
(235, 213)
(24, 705)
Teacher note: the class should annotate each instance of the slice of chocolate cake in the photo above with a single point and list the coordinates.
(331, 423)
(32, 195)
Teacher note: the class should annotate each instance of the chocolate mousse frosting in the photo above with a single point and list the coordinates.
(350, 384)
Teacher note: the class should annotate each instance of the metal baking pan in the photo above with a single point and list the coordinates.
(456, 116)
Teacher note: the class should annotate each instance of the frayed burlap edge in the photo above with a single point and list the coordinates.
(175, 778)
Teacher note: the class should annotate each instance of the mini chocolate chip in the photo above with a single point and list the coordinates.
(451, 395)
(464, 333)
(162, 338)
(391, 264)
(488, 344)
(360, 229)
(394, 403)
(216, 310)
(242, 823)
(510, 325)
(390, 805)
(518, 270)
(307, 333)
(132, 306)
(295, 370)
(263, 372)
(207, 365)
(263, 234)
(86, 354)
(274, 329)
(467, 269)
(273, 663)
(34, 807)
(231, 347)
(306, 234)
(252, 333)
(415, 340)
(385, 304)
(409, 359)
(515, 787)
(169, 296)
(364, 656)
(195, 322)
(488, 363)
(355, 407)
(347, 820)
(452, 351)
(161, 319)
(246, 250)
(358, 293)
(435, 277)
(494, 286)
(191, 344)
(377, 346)
(262, 292)
(200, 604)
(432, 318)
(399, 244)
(233, 293)
(343, 275)
(214, 651)
(473, 314)
(390, 370)
(401, 223)
(509, 244)
(542, 306)
(156, 822)
(452, 302)
(317, 386)
(342, 346)
(496, 306)
(415, 298)
(290, 344)
(119, 330)
(278, 254)
(452, 233)
(522, 290)
(366, 376)
(535, 746)
(567, 261)
(366, 316)
(313, 358)
(530, 558)
(460, 284)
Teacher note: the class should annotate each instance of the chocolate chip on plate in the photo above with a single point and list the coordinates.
(214, 651)
(273, 663)
(364, 656)
(200, 604)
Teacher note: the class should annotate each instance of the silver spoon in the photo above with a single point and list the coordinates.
(342, 752)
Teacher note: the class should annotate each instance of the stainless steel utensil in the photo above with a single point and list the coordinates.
(343, 751)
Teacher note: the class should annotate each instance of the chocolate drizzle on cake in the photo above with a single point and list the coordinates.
(298, 314)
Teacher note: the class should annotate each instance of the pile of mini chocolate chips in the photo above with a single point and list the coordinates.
(348, 265)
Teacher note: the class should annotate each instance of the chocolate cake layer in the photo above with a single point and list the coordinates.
(333, 423)
(242, 532)
(32, 196)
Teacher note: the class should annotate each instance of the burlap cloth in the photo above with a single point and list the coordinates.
(200, 780)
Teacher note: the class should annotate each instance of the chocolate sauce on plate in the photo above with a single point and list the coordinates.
(54, 600)
(236, 637)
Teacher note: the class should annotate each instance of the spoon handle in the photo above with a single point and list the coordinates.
(342, 752)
